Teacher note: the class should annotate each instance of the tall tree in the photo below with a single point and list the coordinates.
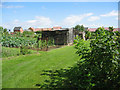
(81, 29)
(5, 31)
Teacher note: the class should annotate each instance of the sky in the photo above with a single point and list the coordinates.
(60, 0)
(64, 14)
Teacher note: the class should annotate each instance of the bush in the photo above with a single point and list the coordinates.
(24, 50)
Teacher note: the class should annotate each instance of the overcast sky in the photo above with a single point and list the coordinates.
(65, 14)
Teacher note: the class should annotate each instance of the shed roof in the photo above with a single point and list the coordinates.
(17, 28)
(50, 29)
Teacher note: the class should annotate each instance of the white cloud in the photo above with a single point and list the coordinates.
(13, 6)
(94, 18)
(112, 13)
(16, 21)
(39, 21)
(73, 19)
(95, 25)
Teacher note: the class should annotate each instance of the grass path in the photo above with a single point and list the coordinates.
(24, 71)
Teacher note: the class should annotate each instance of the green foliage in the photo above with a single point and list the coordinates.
(82, 47)
(44, 43)
(38, 32)
(9, 41)
(7, 52)
(18, 34)
(5, 30)
(80, 28)
(13, 41)
(111, 29)
(104, 59)
(1, 31)
(1, 28)
(24, 50)
(87, 34)
(28, 34)
(117, 33)
(92, 35)
(98, 67)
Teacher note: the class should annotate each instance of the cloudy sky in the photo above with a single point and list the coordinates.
(65, 14)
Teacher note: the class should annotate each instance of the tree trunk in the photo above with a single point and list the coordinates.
(83, 34)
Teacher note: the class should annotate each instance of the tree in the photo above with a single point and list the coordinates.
(1, 31)
(81, 29)
(5, 31)
(1, 28)
(111, 29)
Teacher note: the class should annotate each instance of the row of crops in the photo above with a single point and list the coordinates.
(10, 41)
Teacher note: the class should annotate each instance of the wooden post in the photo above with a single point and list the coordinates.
(83, 34)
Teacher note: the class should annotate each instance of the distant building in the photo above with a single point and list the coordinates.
(18, 29)
(61, 36)
(31, 29)
(106, 28)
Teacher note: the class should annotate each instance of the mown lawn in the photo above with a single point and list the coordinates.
(24, 71)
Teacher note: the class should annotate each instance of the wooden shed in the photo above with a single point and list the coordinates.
(61, 36)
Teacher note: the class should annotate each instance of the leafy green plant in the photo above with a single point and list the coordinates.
(12, 41)
(24, 50)
(28, 34)
(87, 34)
(7, 52)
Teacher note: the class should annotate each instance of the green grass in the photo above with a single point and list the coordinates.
(24, 71)
(8, 52)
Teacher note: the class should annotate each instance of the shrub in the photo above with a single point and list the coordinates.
(24, 50)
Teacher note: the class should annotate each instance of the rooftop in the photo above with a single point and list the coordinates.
(17, 28)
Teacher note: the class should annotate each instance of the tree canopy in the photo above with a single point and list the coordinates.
(80, 28)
